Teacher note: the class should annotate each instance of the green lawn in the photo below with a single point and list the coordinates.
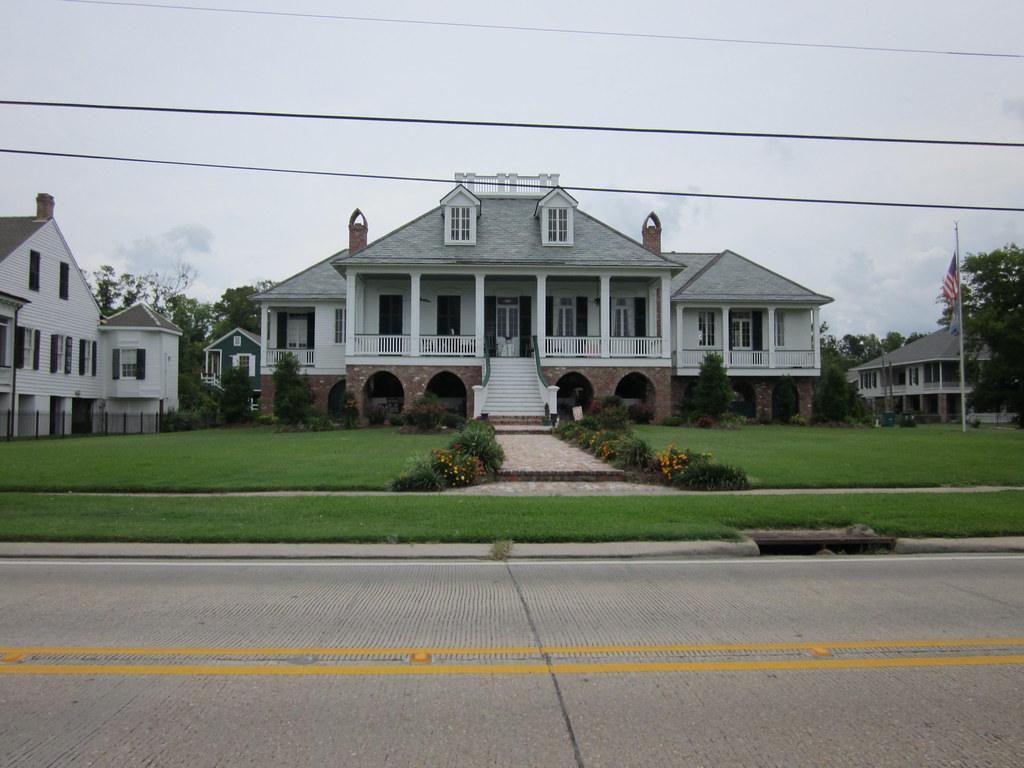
(811, 457)
(436, 518)
(213, 460)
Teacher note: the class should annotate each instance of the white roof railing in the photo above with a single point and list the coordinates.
(508, 184)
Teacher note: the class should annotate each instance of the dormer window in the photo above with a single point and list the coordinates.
(461, 209)
(555, 211)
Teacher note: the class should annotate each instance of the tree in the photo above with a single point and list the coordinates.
(713, 396)
(115, 292)
(834, 396)
(234, 400)
(993, 299)
(785, 399)
(235, 309)
(293, 397)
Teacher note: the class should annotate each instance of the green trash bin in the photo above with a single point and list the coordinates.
(889, 419)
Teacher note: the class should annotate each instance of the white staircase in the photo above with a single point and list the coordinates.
(512, 390)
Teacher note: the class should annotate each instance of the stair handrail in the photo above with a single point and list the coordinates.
(487, 362)
(536, 358)
(548, 393)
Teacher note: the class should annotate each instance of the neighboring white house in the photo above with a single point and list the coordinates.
(921, 378)
(507, 299)
(57, 355)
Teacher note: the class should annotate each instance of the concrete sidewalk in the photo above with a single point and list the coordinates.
(650, 550)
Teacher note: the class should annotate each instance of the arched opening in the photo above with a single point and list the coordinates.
(744, 401)
(334, 399)
(384, 390)
(785, 400)
(573, 389)
(635, 389)
(450, 391)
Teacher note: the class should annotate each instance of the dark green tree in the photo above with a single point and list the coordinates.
(834, 395)
(293, 398)
(993, 301)
(236, 394)
(713, 394)
(235, 309)
(785, 399)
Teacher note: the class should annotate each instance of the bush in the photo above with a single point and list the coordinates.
(377, 415)
(420, 476)
(426, 413)
(234, 400)
(609, 413)
(673, 462)
(906, 420)
(672, 421)
(605, 444)
(451, 420)
(479, 443)
(186, 421)
(705, 422)
(713, 393)
(705, 474)
(316, 421)
(640, 414)
(633, 452)
(348, 411)
(292, 395)
(455, 468)
(396, 420)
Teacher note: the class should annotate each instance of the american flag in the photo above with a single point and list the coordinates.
(951, 285)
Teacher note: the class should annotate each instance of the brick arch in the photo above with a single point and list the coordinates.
(636, 386)
(574, 388)
(451, 390)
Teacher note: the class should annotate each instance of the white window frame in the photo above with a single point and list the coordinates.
(87, 358)
(565, 316)
(293, 325)
(29, 359)
(780, 329)
(622, 317)
(460, 225)
(706, 336)
(236, 340)
(6, 343)
(249, 360)
(557, 226)
(741, 331)
(129, 362)
(340, 325)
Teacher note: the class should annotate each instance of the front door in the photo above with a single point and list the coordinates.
(506, 327)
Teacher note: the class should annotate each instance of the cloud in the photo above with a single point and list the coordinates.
(182, 244)
(1014, 108)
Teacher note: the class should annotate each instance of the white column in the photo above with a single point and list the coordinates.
(666, 317)
(680, 330)
(351, 315)
(816, 336)
(478, 315)
(726, 334)
(414, 315)
(605, 313)
(771, 337)
(542, 311)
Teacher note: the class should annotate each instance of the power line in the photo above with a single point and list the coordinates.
(553, 30)
(614, 190)
(508, 124)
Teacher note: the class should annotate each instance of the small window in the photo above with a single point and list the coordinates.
(68, 345)
(237, 340)
(558, 225)
(458, 227)
(340, 329)
(34, 266)
(65, 278)
(741, 337)
(565, 317)
(129, 363)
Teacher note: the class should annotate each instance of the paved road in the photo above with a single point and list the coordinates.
(841, 661)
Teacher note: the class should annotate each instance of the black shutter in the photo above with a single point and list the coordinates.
(140, 364)
(525, 326)
(94, 358)
(19, 348)
(81, 356)
(54, 352)
(36, 351)
(639, 316)
(69, 345)
(310, 329)
(757, 330)
(581, 315)
(549, 311)
(115, 370)
(282, 330)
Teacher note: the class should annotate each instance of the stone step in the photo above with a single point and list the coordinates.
(561, 476)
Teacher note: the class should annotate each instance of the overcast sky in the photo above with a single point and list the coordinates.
(883, 266)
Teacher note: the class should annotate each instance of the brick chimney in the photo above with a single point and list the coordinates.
(357, 231)
(652, 233)
(44, 207)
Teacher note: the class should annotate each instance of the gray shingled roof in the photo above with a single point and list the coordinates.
(507, 233)
(319, 281)
(727, 276)
(140, 316)
(938, 345)
(15, 230)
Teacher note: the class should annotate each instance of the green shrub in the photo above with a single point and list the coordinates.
(348, 411)
(609, 413)
(605, 444)
(455, 468)
(396, 420)
(316, 421)
(705, 474)
(640, 414)
(906, 420)
(633, 452)
(480, 444)
(420, 476)
(426, 413)
(452, 420)
(377, 415)
(292, 394)
(186, 421)
(672, 421)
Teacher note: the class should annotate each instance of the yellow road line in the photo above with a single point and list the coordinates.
(555, 649)
(504, 669)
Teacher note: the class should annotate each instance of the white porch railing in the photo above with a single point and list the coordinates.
(780, 359)
(572, 346)
(634, 346)
(459, 346)
(6, 375)
(307, 357)
(373, 344)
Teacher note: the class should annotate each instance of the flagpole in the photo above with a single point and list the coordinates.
(960, 315)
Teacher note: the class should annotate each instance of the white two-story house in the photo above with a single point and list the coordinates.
(508, 300)
(64, 369)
